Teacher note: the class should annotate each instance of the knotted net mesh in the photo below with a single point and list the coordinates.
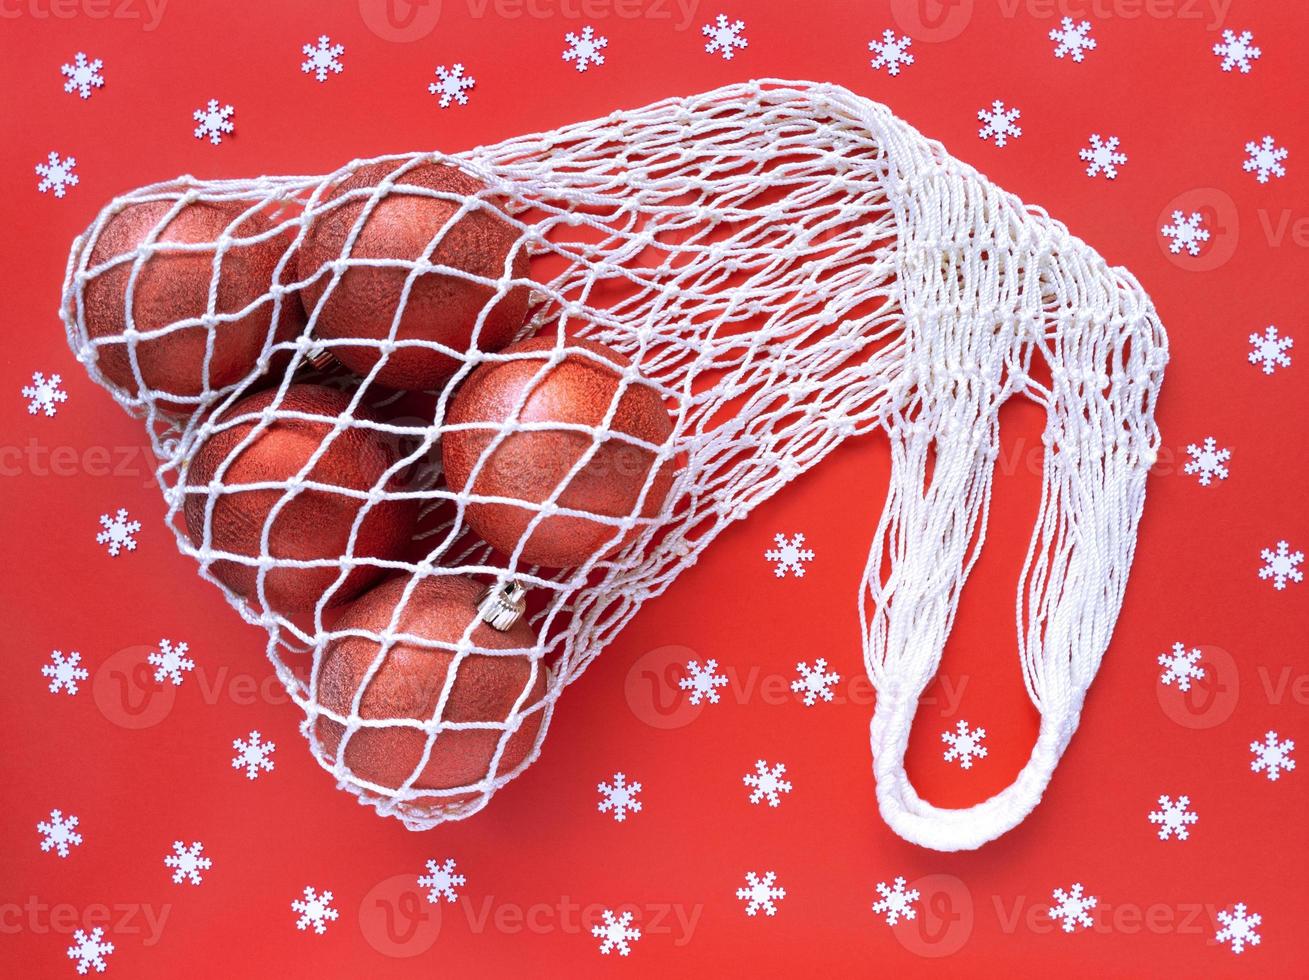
(787, 265)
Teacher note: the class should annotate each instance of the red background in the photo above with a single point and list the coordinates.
(541, 851)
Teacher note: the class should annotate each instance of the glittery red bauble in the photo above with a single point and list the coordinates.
(530, 465)
(440, 307)
(409, 682)
(313, 524)
(173, 286)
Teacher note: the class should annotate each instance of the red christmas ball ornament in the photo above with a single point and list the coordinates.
(313, 524)
(173, 286)
(440, 307)
(530, 465)
(411, 677)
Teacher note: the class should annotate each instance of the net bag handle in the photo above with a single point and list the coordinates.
(988, 286)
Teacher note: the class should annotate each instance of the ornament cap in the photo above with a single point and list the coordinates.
(502, 605)
(320, 357)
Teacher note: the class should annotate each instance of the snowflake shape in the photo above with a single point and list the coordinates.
(895, 901)
(584, 51)
(441, 881)
(724, 36)
(315, 911)
(44, 394)
(1173, 817)
(1102, 157)
(118, 532)
(1265, 158)
(56, 173)
(1071, 38)
(616, 932)
(814, 681)
(1272, 756)
(58, 833)
(789, 556)
(1269, 350)
(451, 85)
(322, 58)
(1237, 51)
(171, 662)
(999, 123)
(620, 797)
(1180, 666)
(702, 681)
(767, 784)
(760, 893)
(1280, 565)
(1186, 232)
(83, 75)
(1238, 928)
(965, 745)
(1207, 460)
(1072, 907)
(90, 951)
(214, 122)
(892, 52)
(252, 755)
(64, 672)
(187, 862)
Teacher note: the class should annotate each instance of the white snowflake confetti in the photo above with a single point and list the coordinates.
(815, 681)
(1186, 232)
(315, 911)
(999, 123)
(895, 902)
(441, 881)
(1270, 350)
(1207, 460)
(171, 662)
(1072, 38)
(620, 797)
(767, 783)
(58, 833)
(1265, 158)
(44, 394)
(322, 57)
(188, 863)
(616, 933)
(724, 37)
(56, 173)
(1272, 756)
(64, 672)
(1238, 928)
(702, 681)
(789, 555)
(892, 52)
(118, 532)
(761, 893)
(965, 744)
(1237, 51)
(83, 75)
(1073, 907)
(252, 755)
(1173, 817)
(585, 51)
(214, 122)
(1180, 666)
(1102, 157)
(451, 85)
(1280, 565)
(90, 951)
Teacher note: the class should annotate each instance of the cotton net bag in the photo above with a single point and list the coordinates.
(789, 265)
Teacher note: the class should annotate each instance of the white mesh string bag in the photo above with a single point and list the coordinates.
(789, 265)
